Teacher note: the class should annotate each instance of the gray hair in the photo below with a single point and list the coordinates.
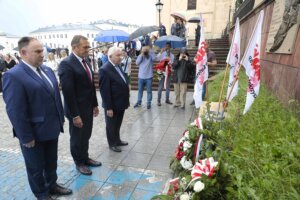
(112, 50)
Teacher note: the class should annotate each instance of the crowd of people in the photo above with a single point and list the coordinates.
(34, 104)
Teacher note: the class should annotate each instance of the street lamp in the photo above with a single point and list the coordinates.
(159, 7)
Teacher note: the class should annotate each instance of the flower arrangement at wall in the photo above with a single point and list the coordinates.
(196, 165)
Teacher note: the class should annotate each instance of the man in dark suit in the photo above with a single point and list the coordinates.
(34, 107)
(114, 91)
(76, 77)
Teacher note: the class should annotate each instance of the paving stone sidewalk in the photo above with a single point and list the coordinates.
(137, 173)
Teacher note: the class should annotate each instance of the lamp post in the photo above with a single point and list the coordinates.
(159, 7)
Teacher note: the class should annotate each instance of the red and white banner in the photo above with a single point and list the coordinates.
(233, 60)
(251, 62)
(201, 68)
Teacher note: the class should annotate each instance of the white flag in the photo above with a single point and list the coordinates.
(233, 60)
(251, 62)
(201, 68)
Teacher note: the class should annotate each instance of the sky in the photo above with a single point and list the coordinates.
(19, 17)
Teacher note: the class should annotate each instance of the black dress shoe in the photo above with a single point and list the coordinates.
(122, 143)
(169, 102)
(83, 169)
(93, 163)
(115, 149)
(60, 190)
(45, 198)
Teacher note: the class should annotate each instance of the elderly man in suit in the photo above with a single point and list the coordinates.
(80, 101)
(34, 107)
(114, 91)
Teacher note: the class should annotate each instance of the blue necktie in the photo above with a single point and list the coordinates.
(45, 80)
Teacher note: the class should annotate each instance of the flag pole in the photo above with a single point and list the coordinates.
(235, 80)
(222, 88)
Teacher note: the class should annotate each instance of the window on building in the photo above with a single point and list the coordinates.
(63, 46)
(54, 45)
(88, 35)
(66, 35)
(51, 45)
(61, 35)
(92, 35)
(93, 44)
(192, 4)
(49, 36)
(45, 36)
(53, 36)
(57, 36)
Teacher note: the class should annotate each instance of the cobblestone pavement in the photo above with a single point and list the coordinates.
(137, 173)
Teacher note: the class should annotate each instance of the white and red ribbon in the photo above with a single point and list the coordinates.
(206, 166)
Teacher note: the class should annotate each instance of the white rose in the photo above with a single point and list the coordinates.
(186, 164)
(199, 186)
(186, 145)
(181, 140)
(186, 135)
(185, 196)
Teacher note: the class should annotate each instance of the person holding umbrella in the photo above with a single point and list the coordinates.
(197, 34)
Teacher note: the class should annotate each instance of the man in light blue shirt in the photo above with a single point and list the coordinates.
(145, 64)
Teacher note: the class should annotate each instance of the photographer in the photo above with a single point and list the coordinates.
(126, 66)
(145, 64)
(184, 72)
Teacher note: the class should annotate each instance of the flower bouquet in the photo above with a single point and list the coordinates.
(162, 69)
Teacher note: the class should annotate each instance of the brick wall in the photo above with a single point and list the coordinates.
(280, 72)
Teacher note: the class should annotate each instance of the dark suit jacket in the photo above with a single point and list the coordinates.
(34, 111)
(113, 89)
(79, 92)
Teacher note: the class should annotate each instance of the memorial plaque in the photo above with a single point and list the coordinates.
(284, 27)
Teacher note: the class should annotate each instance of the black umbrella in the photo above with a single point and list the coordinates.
(194, 20)
(142, 31)
(1, 47)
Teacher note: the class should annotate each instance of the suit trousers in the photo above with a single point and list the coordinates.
(41, 165)
(113, 125)
(180, 93)
(79, 140)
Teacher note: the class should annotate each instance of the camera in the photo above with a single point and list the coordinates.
(184, 56)
(122, 64)
(146, 53)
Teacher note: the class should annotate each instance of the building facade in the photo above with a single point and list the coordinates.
(61, 36)
(8, 41)
(216, 14)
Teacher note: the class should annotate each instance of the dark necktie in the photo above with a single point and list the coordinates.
(87, 70)
(38, 69)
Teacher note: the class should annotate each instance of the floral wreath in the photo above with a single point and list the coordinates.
(195, 171)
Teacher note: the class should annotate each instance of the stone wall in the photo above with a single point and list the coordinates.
(279, 72)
